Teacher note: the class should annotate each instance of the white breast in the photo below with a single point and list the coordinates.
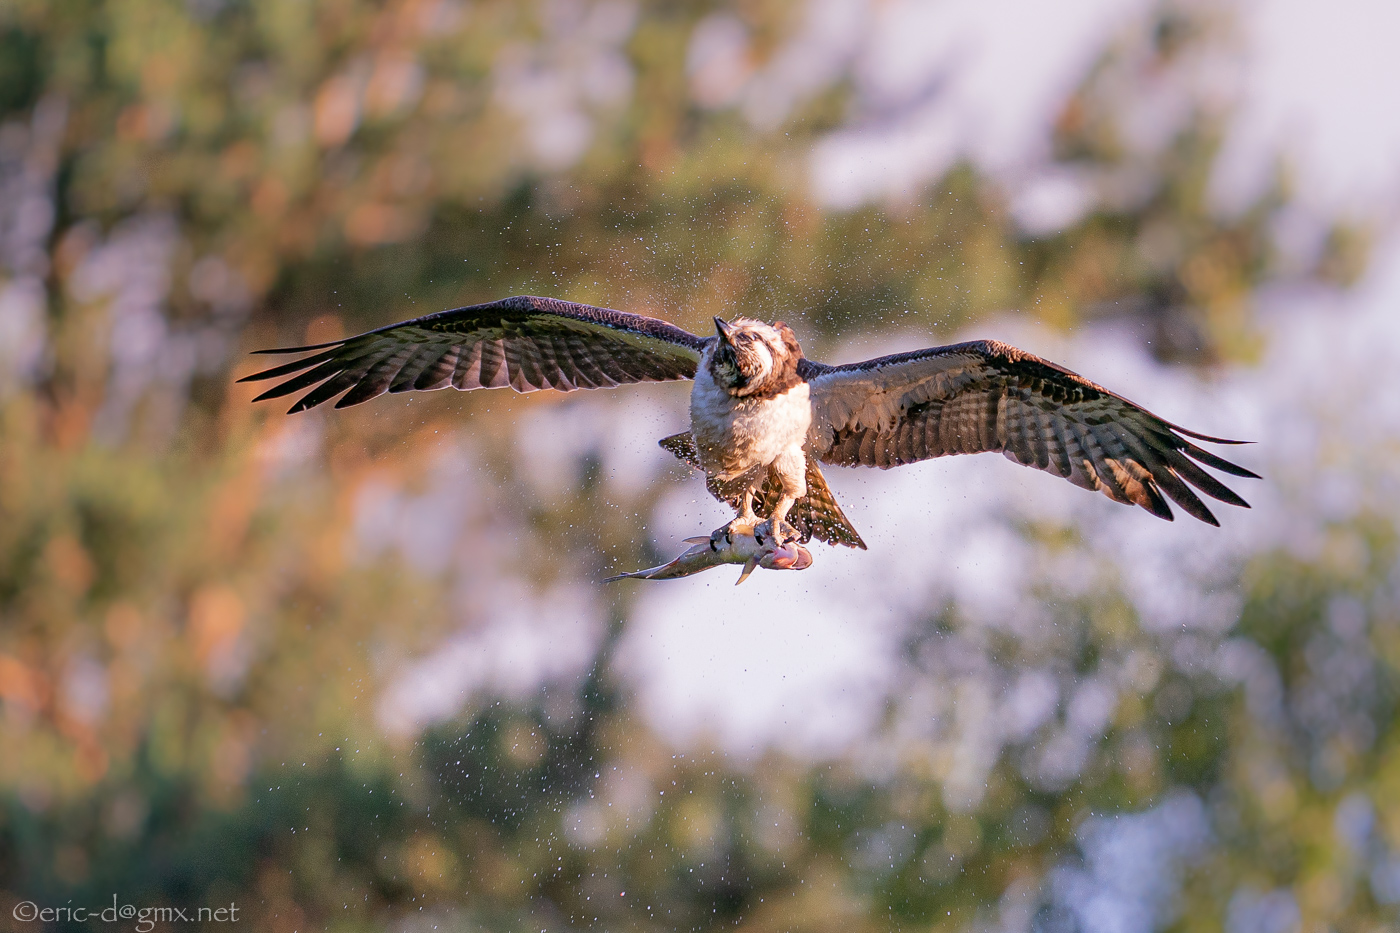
(735, 435)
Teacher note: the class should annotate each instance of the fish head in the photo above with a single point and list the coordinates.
(790, 556)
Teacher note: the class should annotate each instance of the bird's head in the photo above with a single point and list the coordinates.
(751, 357)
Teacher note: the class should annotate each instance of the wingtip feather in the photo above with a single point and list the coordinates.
(1202, 512)
(270, 351)
(269, 394)
(1205, 437)
(1156, 503)
(1219, 463)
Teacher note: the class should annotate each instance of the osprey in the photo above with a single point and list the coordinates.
(763, 416)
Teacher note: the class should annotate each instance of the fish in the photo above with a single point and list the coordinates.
(739, 548)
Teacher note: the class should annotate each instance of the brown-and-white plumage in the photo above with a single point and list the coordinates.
(763, 415)
(750, 413)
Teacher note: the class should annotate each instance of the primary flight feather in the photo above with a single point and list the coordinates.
(763, 415)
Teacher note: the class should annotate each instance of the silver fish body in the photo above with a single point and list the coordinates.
(739, 548)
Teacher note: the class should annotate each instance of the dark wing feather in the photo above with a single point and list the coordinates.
(526, 343)
(987, 396)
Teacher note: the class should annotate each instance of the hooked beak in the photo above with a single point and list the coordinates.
(723, 329)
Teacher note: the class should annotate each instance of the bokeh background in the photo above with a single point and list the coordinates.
(354, 670)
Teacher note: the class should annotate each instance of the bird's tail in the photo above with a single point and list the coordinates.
(815, 515)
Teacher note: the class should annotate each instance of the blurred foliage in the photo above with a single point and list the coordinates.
(192, 649)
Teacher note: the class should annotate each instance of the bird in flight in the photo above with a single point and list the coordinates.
(763, 417)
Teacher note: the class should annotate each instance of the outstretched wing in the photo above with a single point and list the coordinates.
(987, 396)
(524, 342)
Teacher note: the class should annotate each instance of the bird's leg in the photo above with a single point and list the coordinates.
(742, 524)
(790, 470)
(777, 526)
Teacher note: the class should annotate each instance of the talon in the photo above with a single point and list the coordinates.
(780, 531)
(722, 537)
